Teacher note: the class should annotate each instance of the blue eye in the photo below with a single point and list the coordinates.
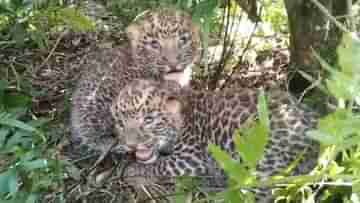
(184, 39)
(148, 119)
(155, 44)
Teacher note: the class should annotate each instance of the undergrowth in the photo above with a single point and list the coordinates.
(336, 176)
(28, 167)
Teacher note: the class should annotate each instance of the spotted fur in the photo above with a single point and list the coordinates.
(198, 118)
(162, 44)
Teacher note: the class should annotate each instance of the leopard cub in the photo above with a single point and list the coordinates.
(162, 45)
(169, 128)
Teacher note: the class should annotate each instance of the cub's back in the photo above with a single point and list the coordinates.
(290, 122)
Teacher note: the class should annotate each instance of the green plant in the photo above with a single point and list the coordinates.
(275, 13)
(338, 133)
(14, 19)
(24, 21)
(28, 168)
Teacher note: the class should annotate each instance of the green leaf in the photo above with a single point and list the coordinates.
(338, 88)
(16, 4)
(76, 20)
(251, 145)
(32, 198)
(351, 141)
(35, 164)
(4, 132)
(19, 33)
(39, 122)
(341, 123)
(13, 183)
(356, 188)
(5, 10)
(343, 85)
(230, 166)
(216, 196)
(4, 182)
(5, 119)
(324, 137)
(40, 38)
(263, 110)
(21, 137)
(180, 197)
(184, 184)
(335, 169)
(205, 9)
(17, 100)
(17, 113)
(340, 129)
(3, 86)
(233, 196)
(349, 54)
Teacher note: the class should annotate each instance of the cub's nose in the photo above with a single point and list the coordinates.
(172, 62)
(132, 138)
(172, 68)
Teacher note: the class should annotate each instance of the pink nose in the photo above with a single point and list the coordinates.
(175, 68)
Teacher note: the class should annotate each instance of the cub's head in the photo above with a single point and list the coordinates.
(166, 41)
(148, 118)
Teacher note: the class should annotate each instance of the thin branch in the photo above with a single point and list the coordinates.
(52, 50)
(327, 14)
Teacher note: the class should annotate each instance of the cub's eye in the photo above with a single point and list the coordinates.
(183, 39)
(155, 44)
(148, 119)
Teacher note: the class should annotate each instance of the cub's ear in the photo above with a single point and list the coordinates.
(195, 31)
(173, 105)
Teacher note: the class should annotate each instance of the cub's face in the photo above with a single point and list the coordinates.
(147, 119)
(166, 41)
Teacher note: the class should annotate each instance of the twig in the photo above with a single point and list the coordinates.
(327, 14)
(103, 155)
(215, 77)
(247, 47)
(52, 50)
(314, 83)
(16, 76)
(298, 179)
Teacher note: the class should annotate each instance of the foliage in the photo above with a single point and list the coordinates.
(275, 13)
(130, 9)
(184, 184)
(338, 132)
(27, 167)
(24, 21)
